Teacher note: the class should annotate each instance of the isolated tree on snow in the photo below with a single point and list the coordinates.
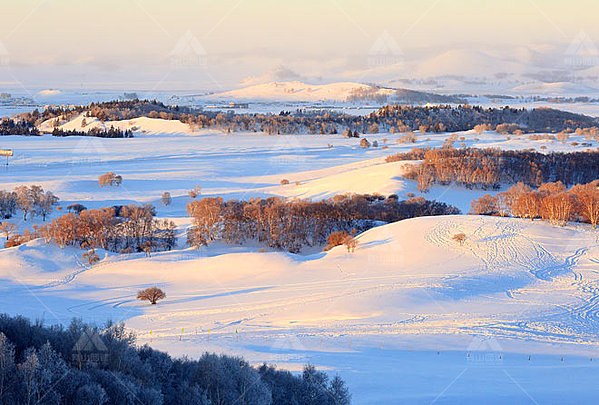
(166, 198)
(110, 179)
(197, 190)
(460, 238)
(152, 294)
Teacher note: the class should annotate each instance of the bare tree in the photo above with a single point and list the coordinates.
(587, 201)
(351, 243)
(460, 238)
(166, 198)
(197, 190)
(485, 205)
(25, 201)
(7, 228)
(152, 294)
(45, 203)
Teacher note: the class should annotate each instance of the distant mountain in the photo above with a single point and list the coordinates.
(561, 89)
(296, 91)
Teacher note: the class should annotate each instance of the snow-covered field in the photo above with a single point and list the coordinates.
(409, 317)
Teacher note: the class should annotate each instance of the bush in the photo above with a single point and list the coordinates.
(336, 239)
(195, 192)
(91, 257)
(76, 208)
(342, 238)
(110, 179)
(284, 182)
(152, 294)
(460, 238)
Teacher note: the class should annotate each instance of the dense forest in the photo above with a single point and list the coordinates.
(393, 118)
(87, 365)
(490, 168)
(293, 224)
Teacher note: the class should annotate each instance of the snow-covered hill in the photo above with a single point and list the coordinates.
(409, 303)
(557, 89)
(513, 288)
(297, 91)
(139, 126)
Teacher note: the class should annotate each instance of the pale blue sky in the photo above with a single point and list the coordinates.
(119, 41)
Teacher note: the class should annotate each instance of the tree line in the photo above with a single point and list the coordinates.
(44, 365)
(17, 127)
(293, 224)
(490, 168)
(393, 118)
(123, 229)
(111, 132)
(550, 201)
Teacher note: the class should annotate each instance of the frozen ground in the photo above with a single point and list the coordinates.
(410, 317)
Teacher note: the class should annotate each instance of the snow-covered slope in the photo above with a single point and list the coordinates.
(410, 304)
(516, 280)
(395, 268)
(139, 126)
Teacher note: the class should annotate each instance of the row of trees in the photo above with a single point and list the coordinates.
(550, 201)
(489, 168)
(122, 229)
(83, 364)
(17, 127)
(111, 132)
(30, 200)
(394, 118)
(293, 224)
